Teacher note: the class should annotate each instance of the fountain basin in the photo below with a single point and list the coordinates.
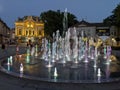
(68, 72)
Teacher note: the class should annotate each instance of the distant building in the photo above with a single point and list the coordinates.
(12, 39)
(29, 28)
(4, 32)
(108, 34)
(94, 29)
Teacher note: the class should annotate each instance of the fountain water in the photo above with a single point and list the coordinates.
(99, 72)
(105, 52)
(65, 23)
(74, 57)
(55, 72)
(21, 68)
(33, 51)
(99, 75)
(8, 61)
(36, 50)
(28, 56)
(70, 48)
(11, 60)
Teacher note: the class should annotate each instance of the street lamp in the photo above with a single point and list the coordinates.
(113, 41)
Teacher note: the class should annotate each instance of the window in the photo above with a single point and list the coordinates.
(26, 32)
(40, 33)
(20, 32)
(33, 32)
(29, 32)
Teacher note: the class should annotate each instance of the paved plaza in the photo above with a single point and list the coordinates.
(8, 82)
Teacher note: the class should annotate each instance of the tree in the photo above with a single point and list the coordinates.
(54, 21)
(114, 19)
(109, 20)
(116, 13)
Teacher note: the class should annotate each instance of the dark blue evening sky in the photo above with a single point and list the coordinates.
(90, 10)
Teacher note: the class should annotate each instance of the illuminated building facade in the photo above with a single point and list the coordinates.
(104, 32)
(29, 28)
(92, 29)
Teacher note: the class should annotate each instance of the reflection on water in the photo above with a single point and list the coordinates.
(67, 72)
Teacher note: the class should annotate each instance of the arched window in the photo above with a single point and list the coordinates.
(33, 32)
(29, 32)
(20, 32)
(26, 32)
(40, 33)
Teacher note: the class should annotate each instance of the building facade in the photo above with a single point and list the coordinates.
(96, 30)
(4, 32)
(29, 28)
(92, 29)
(12, 39)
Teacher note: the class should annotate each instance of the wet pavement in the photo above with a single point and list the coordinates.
(8, 82)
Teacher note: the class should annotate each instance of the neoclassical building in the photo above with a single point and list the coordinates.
(29, 28)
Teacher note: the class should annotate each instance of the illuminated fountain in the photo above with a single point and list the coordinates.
(21, 68)
(28, 56)
(99, 72)
(8, 61)
(99, 75)
(36, 50)
(62, 50)
(71, 58)
(11, 60)
(55, 72)
(8, 64)
(66, 58)
(32, 51)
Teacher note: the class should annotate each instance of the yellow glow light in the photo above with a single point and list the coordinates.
(28, 25)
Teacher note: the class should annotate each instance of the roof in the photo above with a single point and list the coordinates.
(84, 23)
(35, 18)
(4, 23)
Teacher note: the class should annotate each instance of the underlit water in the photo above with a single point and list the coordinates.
(72, 58)
(80, 72)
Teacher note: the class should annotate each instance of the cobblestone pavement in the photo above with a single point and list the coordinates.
(8, 82)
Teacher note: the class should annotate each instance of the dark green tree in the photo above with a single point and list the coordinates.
(116, 14)
(114, 19)
(54, 21)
